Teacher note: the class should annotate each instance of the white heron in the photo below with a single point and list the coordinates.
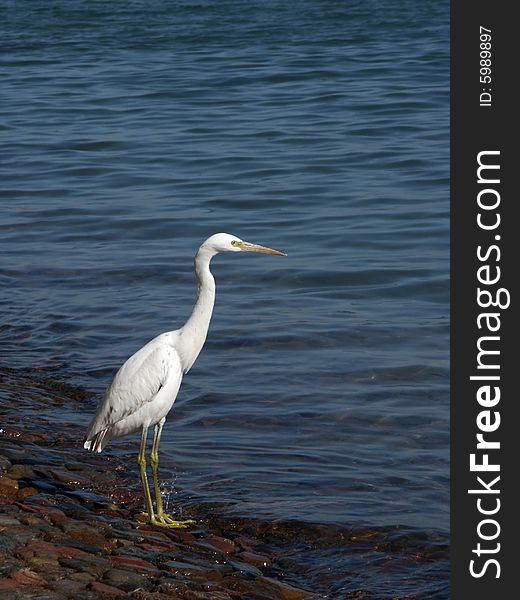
(145, 387)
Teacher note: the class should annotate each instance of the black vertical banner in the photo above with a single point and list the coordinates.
(485, 358)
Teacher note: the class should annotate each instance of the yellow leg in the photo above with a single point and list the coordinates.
(154, 462)
(141, 461)
(161, 518)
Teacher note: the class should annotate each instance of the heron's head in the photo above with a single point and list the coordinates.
(224, 242)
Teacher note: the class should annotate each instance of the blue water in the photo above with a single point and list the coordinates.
(131, 131)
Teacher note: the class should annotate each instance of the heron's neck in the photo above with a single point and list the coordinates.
(193, 335)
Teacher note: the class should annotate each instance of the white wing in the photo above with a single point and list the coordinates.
(154, 368)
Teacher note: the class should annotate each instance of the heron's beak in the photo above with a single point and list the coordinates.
(247, 247)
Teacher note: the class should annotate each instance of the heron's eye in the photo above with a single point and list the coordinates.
(235, 243)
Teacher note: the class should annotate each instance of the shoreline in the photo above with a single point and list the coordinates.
(68, 526)
(62, 536)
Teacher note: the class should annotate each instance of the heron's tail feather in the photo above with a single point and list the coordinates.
(98, 441)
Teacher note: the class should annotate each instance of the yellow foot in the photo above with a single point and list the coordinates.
(165, 520)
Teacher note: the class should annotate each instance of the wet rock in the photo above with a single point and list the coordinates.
(183, 568)
(221, 543)
(7, 542)
(284, 590)
(27, 577)
(8, 584)
(8, 486)
(246, 543)
(135, 564)
(93, 534)
(207, 551)
(23, 553)
(257, 560)
(152, 535)
(245, 568)
(25, 492)
(55, 515)
(9, 565)
(174, 588)
(136, 551)
(79, 466)
(5, 463)
(181, 536)
(32, 520)
(42, 485)
(212, 594)
(159, 547)
(6, 520)
(65, 476)
(104, 589)
(60, 500)
(42, 548)
(95, 565)
(13, 454)
(83, 577)
(127, 534)
(84, 546)
(126, 580)
(69, 588)
(42, 564)
(238, 587)
(142, 595)
(17, 471)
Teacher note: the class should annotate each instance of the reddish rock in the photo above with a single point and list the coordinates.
(155, 536)
(158, 547)
(285, 591)
(8, 521)
(70, 478)
(103, 588)
(55, 515)
(212, 595)
(45, 548)
(89, 534)
(127, 580)
(17, 471)
(213, 575)
(8, 584)
(43, 563)
(221, 543)
(125, 496)
(23, 553)
(8, 486)
(141, 518)
(142, 595)
(27, 577)
(245, 542)
(68, 588)
(112, 512)
(183, 568)
(183, 536)
(133, 563)
(237, 588)
(82, 577)
(32, 520)
(27, 491)
(258, 560)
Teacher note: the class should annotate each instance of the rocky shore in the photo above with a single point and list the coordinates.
(69, 527)
(69, 523)
(63, 536)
